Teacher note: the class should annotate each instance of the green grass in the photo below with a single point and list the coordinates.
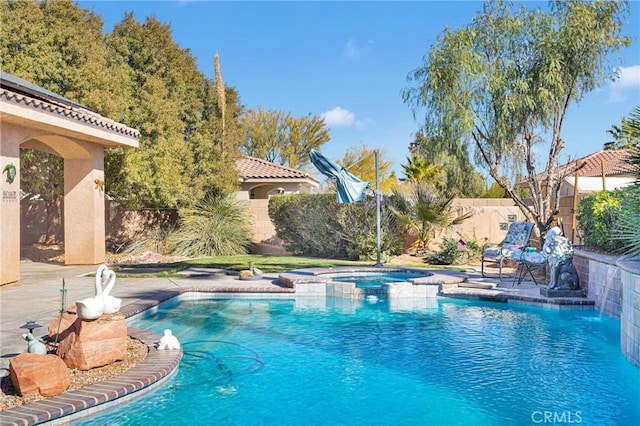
(269, 264)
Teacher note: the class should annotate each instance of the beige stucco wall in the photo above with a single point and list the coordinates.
(263, 229)
(489, 223)
(81, 145)
(10, 209)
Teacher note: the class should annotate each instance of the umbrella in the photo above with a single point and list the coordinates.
(350, 189)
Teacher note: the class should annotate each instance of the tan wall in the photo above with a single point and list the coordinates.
(489, 223)
(263, 229)
(491, 218)
(123, 223)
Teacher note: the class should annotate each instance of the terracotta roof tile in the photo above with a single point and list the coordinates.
(256, 168)
(614, 164)
(68, 111)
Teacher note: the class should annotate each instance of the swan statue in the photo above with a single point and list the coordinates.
(93, 307)
(168, 341)
(111, 304)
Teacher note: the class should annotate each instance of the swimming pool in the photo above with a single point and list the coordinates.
(375, 279)
(343, 361)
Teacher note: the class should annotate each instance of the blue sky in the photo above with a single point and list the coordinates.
(348, 62)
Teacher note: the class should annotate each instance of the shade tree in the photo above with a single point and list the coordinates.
(500, 87)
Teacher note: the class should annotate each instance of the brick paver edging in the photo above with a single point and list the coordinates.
(150, 372)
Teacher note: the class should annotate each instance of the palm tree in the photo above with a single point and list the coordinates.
(627, 134)
(423, 213)
(420, 171)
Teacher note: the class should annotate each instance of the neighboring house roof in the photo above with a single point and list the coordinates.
(591, 165)
(22, 92)
(252, 168)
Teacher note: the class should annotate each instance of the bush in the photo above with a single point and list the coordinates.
(626, 232)
(597, 216)
(449, 253)
(316, 225)
(157, 239)
(304, 223)
(219, 226)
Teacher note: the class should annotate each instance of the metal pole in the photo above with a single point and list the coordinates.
(378, 263)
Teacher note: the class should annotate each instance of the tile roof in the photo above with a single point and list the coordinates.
(49, 102)
(613, 161)
(256, 168)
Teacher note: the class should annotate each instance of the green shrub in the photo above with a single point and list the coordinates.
(304, 223)
(316, 225)
(358, 230)
(626, 232)
(597, 217)
(218, 226)
(449, 254)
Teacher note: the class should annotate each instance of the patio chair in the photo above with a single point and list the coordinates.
(529, 259)
(517, 239)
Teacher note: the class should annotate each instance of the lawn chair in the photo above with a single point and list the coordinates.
(517, 239)
(529, 259)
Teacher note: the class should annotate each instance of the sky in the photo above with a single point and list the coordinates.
(348, 63)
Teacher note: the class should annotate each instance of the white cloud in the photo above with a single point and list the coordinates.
(628, 78)
(353, 50)
(338, 117)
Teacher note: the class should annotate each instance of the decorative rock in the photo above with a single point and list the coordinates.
(89, 344)
(68, 318)
(246, 274)
(46, 375)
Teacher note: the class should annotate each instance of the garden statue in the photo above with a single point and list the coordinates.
(93, 308)
(34, 346)
(168, 341)
(560, 254)
(111, 304)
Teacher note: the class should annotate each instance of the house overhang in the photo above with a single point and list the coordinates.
(278, 181)
(27, 115)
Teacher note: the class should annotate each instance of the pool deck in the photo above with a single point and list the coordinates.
(37, 297)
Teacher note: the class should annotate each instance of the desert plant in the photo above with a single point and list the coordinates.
(423, 213)
(218, 226)
(156, 239)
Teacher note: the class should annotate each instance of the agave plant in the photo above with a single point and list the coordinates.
(219, 226)
(423, 213)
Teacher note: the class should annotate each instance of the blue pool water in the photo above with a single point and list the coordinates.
(348, 362)
(374, 279)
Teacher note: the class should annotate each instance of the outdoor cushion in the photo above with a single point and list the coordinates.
(516, 239)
